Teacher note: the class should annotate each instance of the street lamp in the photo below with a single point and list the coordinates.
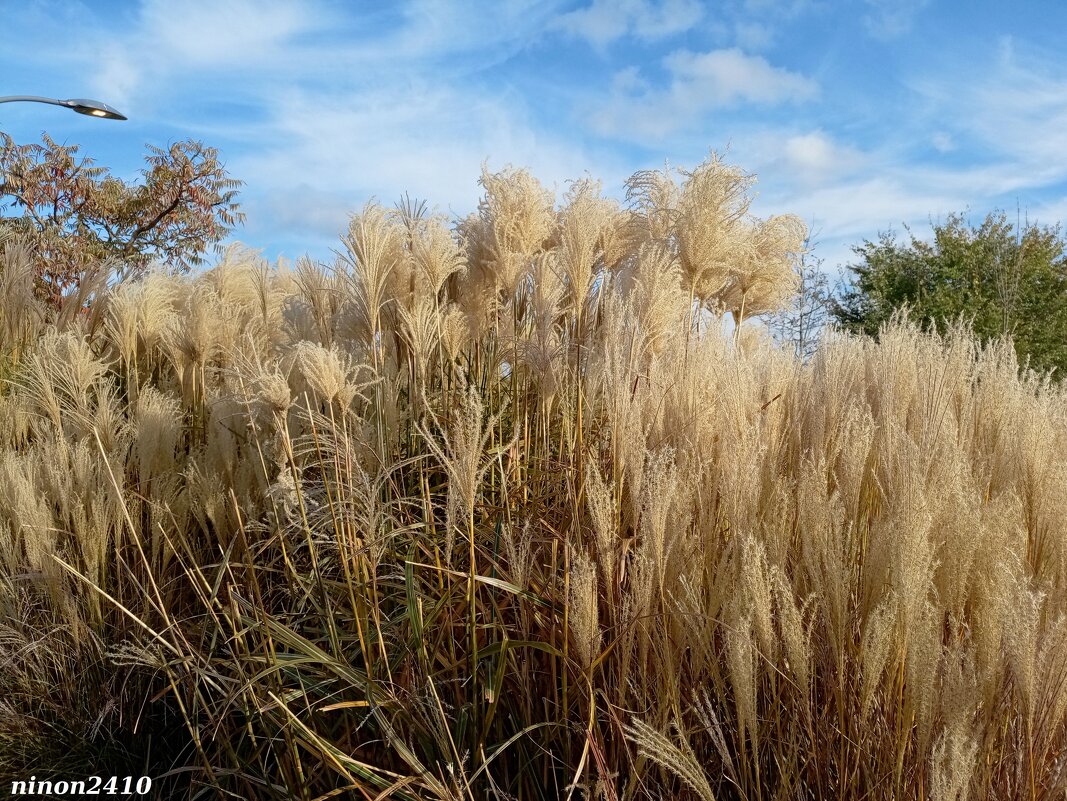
(91, 108)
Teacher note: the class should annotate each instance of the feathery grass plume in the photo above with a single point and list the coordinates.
(998, 566)
(757, 585)
(549, 290)
(122, 326)
(298, 322)
(656, 290)
(583, 221)
(952, 764)
(15, 421)
(697, 607)
(639, 612)
(437, 256)
(659, 488)
(59, 381)
(1022, 637)
(322, 291)
(233, 278)
(519, 549)
(331, 376)
(879, 638)
(584, 608)
(676, 757)
(243, 281)
(795, 634)
(765, 279)
(83, 307)
(1048, 733)
(359, 522)
(959, 677)
(924, 653)
(419, 329)
(957, 530)
(21, 313)
(272, 392)
(515, 217)
(543, 353)
(542, 350)
(85, 507)
(741, 666)
(652, 197)
(601, 501)
(480, 303)
(710, 221)
(138, 315)
(372, 253)
(454, 331)
(156, 433)
(159, 299)
(208, 504)
(617, 389)
(267, 294)
(828, 551)
(193, 337)
(461, 453)
(906, 525)
(25, 511)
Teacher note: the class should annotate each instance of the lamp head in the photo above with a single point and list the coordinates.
(93, 108)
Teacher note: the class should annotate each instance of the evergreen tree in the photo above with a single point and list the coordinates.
(1005, 278)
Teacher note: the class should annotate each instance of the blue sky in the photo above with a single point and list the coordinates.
(858, 115)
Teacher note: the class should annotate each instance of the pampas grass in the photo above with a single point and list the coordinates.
(691, 565)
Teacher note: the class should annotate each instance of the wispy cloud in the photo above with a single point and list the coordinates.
(891, 19)
(230, 41)
(604, 21)
(815, 157)
(1009, 112)
(698, 83)
(319, 104)
(432, 145)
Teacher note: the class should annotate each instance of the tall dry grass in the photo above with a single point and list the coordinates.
(501, 512)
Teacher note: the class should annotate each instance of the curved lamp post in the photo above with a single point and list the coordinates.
(91, 108)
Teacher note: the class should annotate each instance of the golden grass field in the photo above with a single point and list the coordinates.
(503, 511)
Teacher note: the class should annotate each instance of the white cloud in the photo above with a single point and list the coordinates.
(1010, 112)
(433, 29)
(1048, 212)
(117, 76)
(811, 151)
(844, 213)
(942, 142)
(729, 76)
(604, 21)
(168, 45)
(207, 33)
(331, 106)
(890, 19)
(815, 157)
(699, 83)
(884, 193)
(253, 48)
(332, 153)
(312, 210)
(861, 207)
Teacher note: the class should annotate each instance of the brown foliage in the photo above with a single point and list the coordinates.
(76, 214)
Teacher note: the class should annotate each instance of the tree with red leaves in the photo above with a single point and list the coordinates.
(77, 215)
